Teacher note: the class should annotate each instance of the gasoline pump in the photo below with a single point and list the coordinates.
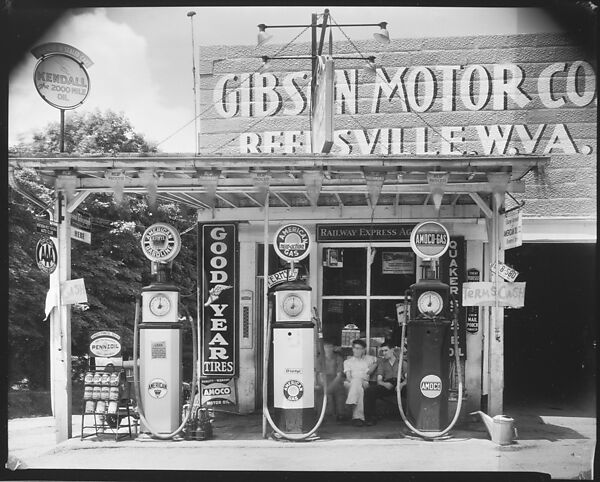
(158, 371)
(291, 331)
(431, 314)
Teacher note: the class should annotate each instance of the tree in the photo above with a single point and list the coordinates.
(88, 133)
(113, 266)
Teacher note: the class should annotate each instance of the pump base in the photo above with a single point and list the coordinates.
(413, 436)
(275, 436)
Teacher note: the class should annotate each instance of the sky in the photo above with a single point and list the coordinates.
(143, 55)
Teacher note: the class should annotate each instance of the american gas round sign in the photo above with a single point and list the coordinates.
(292, 242)
(61, 81)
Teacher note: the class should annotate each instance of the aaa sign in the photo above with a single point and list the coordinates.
(485, 293)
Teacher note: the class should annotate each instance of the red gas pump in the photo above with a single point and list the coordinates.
(431, 316)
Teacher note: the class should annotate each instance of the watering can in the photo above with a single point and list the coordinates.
(501, 428)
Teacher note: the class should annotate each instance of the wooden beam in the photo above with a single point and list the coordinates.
(169, 197)
(77, 200)
(282, 199)
(330, 213)
(226, 201)
(195, 163)
(252, 199)
(482, 205)
(193, 185)
(60, 328)
(496, 338)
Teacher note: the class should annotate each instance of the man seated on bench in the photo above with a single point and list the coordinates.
(385, 386)
(358, 369)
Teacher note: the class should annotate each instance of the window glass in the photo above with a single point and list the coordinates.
(384, 321)
(339, 313)
(344, 271)
(392, 271)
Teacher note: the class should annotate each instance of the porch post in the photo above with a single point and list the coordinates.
(60, 325)
(265, 310)
(496, 329)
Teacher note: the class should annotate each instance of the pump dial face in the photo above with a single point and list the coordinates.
(293, 305)
(430, 303)
(160, 305)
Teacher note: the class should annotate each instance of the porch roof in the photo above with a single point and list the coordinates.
(231, 182)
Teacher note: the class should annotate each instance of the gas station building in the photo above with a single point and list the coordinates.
(456, 130)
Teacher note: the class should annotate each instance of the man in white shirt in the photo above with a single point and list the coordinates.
(358, 369)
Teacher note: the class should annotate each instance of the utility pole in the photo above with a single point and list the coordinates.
(191, 15)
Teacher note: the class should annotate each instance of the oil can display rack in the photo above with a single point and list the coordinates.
(106, 400)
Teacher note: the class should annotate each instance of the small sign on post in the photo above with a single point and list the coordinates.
(73, 292)
(46, 228)
(322, 108)
(485, 293)
(505, 272)
(81, 227)
(513, 229)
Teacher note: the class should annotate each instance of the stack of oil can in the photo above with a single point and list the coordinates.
(199, 425)
(102, 391)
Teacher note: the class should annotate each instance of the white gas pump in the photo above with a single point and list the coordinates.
(292, 331)
(157, 373)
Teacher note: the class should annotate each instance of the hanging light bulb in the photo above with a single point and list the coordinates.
(263, 36)
(371, 67)
(266, 66)
(383, 36)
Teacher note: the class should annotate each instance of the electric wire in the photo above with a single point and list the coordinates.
(382, 78)
(281, 50)
(261, 119)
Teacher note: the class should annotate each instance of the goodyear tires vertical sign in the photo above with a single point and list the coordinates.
(218, 270)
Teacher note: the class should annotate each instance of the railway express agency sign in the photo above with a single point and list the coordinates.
(429, 240)
(62, 81)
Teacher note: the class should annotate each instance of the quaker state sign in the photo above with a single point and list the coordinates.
(161, 242)
(292, 242)
(429, 240)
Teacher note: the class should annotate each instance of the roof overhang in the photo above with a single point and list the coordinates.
(235, 182)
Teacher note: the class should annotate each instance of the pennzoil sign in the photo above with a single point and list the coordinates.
(105, 344)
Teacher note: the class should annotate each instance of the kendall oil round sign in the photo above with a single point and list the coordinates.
(429, 240)
(61, 81)
(292, 242)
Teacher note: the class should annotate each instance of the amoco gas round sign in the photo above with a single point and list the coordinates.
(429, 240)
(292, 242)
(161, 242)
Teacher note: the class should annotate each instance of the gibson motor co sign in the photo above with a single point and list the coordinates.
(422, 90)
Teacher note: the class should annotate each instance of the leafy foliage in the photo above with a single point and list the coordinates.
(88, 133)
(113, 266)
